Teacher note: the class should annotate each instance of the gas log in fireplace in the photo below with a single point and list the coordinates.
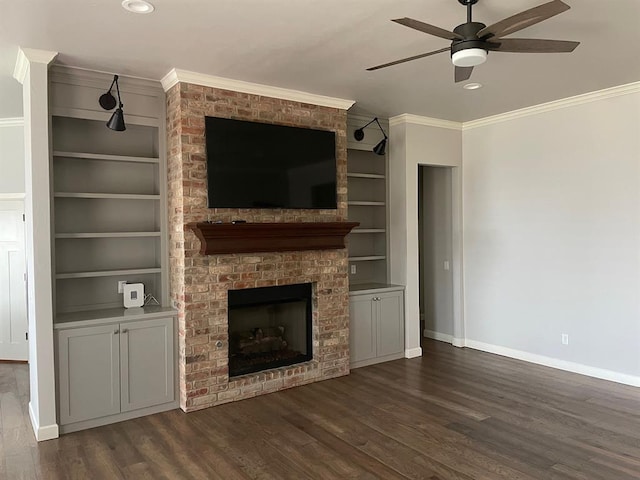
(269, 327)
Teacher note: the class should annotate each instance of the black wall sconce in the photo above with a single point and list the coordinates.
(380, 148)
(107, 101)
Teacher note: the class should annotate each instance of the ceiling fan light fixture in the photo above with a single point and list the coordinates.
(469, 57)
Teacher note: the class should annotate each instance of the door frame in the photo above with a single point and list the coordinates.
(458, 337)
(19, 198)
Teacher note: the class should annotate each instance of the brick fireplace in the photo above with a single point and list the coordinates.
(200, 283)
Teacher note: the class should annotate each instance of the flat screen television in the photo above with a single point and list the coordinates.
(259, 165)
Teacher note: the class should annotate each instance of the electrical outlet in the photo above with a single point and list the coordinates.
(353, 270)
(446, 264)
(121, 284)
(565, 339)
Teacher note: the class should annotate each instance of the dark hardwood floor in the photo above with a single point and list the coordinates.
(452, 414)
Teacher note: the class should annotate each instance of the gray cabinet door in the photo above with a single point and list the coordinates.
(146, 355)
(89, 373)
(362, 329)
(390, 317)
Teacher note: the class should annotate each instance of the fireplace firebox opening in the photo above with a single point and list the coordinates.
(269, 327)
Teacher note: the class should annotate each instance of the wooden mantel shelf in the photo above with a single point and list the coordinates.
(270, 237)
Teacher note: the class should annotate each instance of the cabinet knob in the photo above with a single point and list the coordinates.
(125, 330)
(116, 332)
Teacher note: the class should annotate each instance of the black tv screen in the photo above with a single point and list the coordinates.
(259, 165)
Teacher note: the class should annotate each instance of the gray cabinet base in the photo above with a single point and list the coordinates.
(119, 417)
(372, 361)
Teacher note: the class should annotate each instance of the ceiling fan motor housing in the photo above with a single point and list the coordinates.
(470, 50)
(470, 33)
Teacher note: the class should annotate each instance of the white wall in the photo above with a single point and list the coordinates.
(11, 156)
(436, 281)
(552, 234)
(413, 142)
(31, 72)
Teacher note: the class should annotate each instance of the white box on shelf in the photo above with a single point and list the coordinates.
(133, 295)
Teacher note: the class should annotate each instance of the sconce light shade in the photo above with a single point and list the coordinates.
(116, 122)
(380, 148)
(108, 101)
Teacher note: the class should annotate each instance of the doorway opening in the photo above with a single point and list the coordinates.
(435, 252)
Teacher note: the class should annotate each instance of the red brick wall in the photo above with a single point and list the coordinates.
(199, 284)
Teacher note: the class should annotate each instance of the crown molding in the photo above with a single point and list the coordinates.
(101, 79)
(12, 122)
(176, 76)
(555, 105)
(27, 56)
(408, 118)
(425, 121)
(359, 120)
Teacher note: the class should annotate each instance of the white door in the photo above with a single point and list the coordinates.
(13, 292)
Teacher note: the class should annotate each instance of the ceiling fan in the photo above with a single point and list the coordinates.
(471, 41)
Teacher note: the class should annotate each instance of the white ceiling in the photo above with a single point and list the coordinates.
(324, 47)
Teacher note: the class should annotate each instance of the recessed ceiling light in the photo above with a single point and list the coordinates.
(472, 86)
(137, 6)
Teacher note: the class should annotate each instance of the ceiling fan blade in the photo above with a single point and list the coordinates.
(408, 59)
(426, 28)
(524, 19)
(462, 73)
(533, 45)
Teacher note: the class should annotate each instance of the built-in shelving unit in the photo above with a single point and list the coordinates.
(108, 206)
(107, 273)
(107, 235)
(365, 175)
(367, 202)
(111, 158)
(115, 196)
(108, 192)
(376, 308)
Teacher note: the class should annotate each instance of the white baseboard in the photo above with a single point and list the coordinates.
(441, 337)
(556, 363)
(48, 432)
(413, 352)
(444, 337)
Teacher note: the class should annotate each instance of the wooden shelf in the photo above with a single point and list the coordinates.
(365, 175)
(119, 314)
(367, 259)
(223, 238)
(112, 196)
(366, 203)
(108, 235)
(110, 158)
(368, 230)
(107, 273)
